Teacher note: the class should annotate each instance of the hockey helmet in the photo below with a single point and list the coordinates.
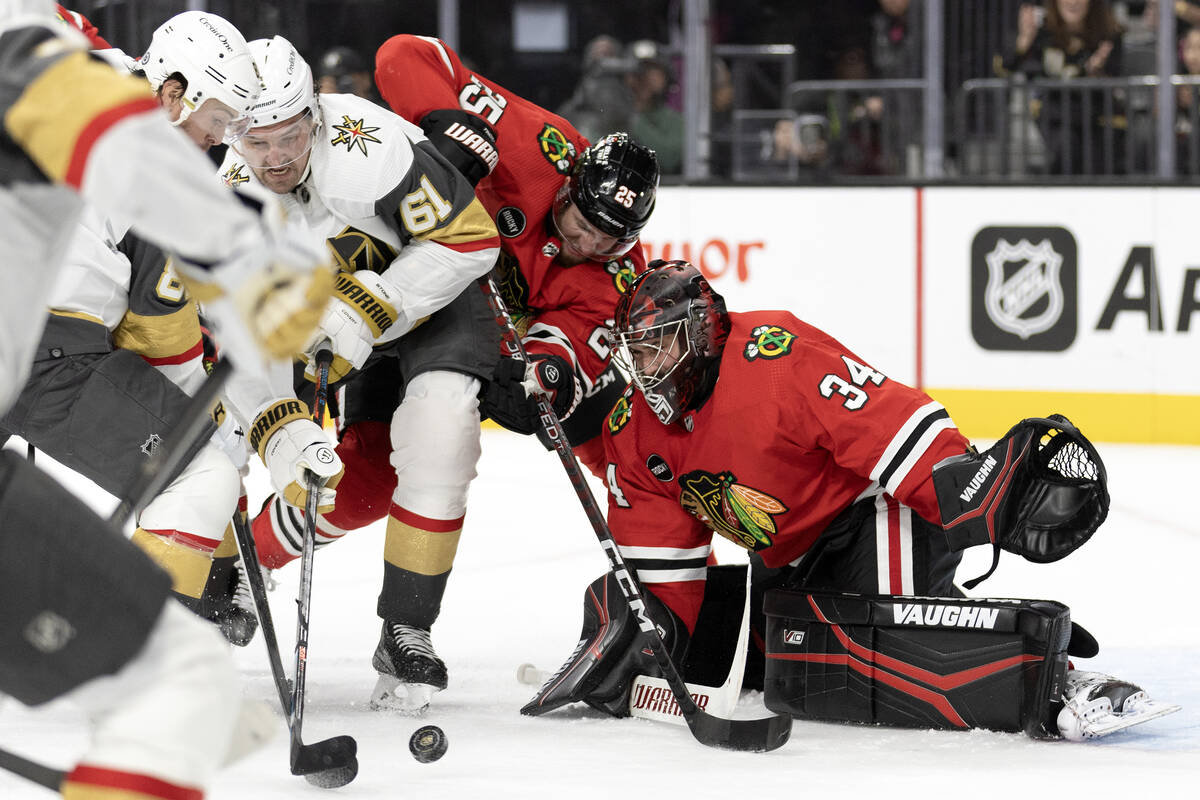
(287, 82)
(214, 60)
(669, 333)
(613, 185)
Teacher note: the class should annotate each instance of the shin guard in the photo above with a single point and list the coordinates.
(917, 661)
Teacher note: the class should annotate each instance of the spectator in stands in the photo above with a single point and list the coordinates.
(654, 123)
(602, 102)
(1071, 38)
(342, 70)
(720, 156)
(1187, 109)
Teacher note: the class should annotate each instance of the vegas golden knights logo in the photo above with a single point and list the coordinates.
(741, 514)
(234, 175)
(353, 133)
(353, 250)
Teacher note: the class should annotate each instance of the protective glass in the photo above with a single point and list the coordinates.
(582, 238)
(284, 145)
(218, 121)
(651, 355)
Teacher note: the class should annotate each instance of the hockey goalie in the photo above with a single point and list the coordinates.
(855, 495)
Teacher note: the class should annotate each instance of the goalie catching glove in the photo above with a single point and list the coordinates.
(1040, 492)
(509, 399)
(290, 444)
(364, 308)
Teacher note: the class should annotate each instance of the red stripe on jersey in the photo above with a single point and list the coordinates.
(425, 523)
(99, 125)
(471, 247)
(895, 552)
(190, 539)
(194, 352)
(132, 782)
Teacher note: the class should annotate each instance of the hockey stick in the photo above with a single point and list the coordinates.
(318, 768)
(179, 448)
(757, 735)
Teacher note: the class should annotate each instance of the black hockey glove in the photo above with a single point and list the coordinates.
(1040, 492)
(611, 651)
(508, 399)
(468, 142)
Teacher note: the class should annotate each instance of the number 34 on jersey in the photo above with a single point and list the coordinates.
(851, 386)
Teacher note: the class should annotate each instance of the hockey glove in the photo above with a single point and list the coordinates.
(291, 444)
(265, 301)
(1040, 492)
(230, 437)
(509, 400)
(364, 307)
(468, 142)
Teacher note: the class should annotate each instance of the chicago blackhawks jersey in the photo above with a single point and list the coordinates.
(560, 310)
(385, 201)
(797, 429)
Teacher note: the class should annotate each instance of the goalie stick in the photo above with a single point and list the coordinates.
(758, 735)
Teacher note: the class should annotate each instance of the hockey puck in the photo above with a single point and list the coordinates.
(428, 743)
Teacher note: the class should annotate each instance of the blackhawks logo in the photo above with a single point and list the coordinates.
(743, 515)
(557, 148)
(770, 341)
(353, 134)
(234, 175)
(353, 250)
(619, 416)
(622, 273)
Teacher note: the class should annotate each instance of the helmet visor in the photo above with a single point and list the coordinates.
(278, 145)
(651, 355)
(580, 237)
(217, 120)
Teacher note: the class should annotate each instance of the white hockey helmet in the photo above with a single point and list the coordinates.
(287, 82)
(210, 53)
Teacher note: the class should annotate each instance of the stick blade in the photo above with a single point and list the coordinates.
(328, 763)
(746, 735)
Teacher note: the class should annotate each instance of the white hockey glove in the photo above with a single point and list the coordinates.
(266, 299)
(364, 307)
(290, 444)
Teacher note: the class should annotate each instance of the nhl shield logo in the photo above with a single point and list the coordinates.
(1010, 297)
(1023, 288)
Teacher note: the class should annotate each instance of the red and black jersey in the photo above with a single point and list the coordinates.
(797, 428)
(561, 310)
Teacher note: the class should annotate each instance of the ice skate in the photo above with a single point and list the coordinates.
(1099, 704)
(409, 670)
(228, 604)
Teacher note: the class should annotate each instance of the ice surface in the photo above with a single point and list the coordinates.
(515, 596)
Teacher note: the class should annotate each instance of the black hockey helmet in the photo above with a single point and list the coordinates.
(613, 184)
(668, 334)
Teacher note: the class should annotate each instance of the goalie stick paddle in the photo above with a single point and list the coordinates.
(757, 735)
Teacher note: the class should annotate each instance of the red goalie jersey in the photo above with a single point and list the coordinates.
(562, 311)
(797, 429)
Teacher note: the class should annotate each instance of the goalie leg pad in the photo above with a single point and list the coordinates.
(609, 653)
(917, 661)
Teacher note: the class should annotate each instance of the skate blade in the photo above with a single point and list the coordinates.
(410, 699)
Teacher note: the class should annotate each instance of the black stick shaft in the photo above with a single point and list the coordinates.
(32, 771)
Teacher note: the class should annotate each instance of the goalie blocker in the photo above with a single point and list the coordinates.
(917, 661)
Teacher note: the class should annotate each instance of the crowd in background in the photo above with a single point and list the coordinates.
(622, 69)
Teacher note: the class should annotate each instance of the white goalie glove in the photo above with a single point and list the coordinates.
(291, 445)
(363, 308)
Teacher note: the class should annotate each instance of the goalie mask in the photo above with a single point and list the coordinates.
(669, 332)
(613, 186)
(215, 63)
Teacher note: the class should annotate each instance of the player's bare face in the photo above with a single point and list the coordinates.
(212, 123)
(581, 241)
(278, 154)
